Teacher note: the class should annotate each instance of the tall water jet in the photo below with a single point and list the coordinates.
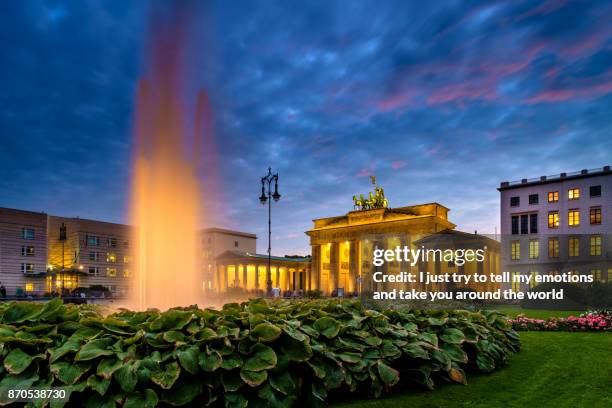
(165, 202)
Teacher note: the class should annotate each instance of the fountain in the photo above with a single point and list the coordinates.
(165, 203)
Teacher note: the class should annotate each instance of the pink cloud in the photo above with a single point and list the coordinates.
(560, 95)
(396, 165)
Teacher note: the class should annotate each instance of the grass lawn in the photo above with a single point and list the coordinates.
(554, 369)
(513, 311)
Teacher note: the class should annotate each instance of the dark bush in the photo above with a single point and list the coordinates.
(258, 353)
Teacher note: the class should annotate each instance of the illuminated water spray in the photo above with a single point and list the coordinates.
(165, 204)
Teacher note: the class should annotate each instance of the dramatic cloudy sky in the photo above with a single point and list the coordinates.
(441, 100)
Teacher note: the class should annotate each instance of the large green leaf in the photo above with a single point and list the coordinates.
(108, 366)
(265, 332)
(17, 361)
(296, 350)
(67, 372)
(188, 357)
(94, 349)
(210, 360)
(452, 335)
(172, 320)
(183, 392)
(98, 384)
(146, 399)
(389, 376)
(327, 326)
(262, 358)
(253, 378)
(127, 377)
(167, 376)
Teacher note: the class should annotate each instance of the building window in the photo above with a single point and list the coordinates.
(596, 274)
(534, 249)
(27, 268)
(574, 247)
(111, 242)
(595, 245)
(553, 196)
(93, 240)
(533, 198)
(573, 193)
(515, 250)
(126, 273)
(27, 251)
(127, 259)
(126, 243)
(516, 283)
(112, 272)
(515, 201)
(553, 219)
(533, 223)
(515, 225)
(533, 282)
(94, 270)
(94, 256)
(29, 287)
(553, 247)
(524, 224)
(595, 191)
(236, 244)
(111, 257)
(28, 233)
(573, 217)
(595, 215)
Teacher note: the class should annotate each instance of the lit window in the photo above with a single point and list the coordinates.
(553, 219)
(533, 282)
(28, 233)
(515, 250)
(516, 283)
(553, 196)
(573, 218)
(29, 287)
(112, 272)
(595, 215)
(127, 259)
(553, 247)
(93, 270)
(27, 268)
(126, 273)
(93, 240)
(573, 193)
(574, 247)
(111, 242)
(595, 245)
(596, 274)
(111, 257)
(534, 249)
(27, 251)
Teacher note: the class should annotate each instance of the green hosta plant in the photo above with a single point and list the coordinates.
(258, 353)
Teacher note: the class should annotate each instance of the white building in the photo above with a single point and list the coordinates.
(557, 224)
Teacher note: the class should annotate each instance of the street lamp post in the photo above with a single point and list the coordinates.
(269, 196)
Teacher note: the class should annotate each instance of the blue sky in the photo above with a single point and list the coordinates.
(440, 100)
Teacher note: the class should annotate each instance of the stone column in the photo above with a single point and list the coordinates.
(354, 252)
(334, 266)
(315, 266)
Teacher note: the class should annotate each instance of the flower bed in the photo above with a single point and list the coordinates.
(258, 353)
(590, 321)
